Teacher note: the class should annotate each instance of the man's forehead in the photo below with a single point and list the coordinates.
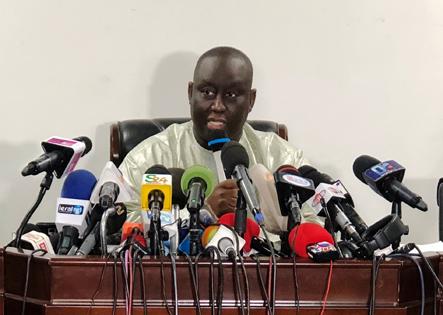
(216, 68)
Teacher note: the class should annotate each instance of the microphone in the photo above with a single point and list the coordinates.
(293, 190)
(347, 204)
(236, 162)
(156, 195)
(222, 238)
(111, 188)
(61, 156)
(205, 217)
(156, 189)
(178, 197)
(327, 198)
(264, 183)
(73, 205)
(218, 139)
(197, 183)
(252, 229)
(37, 240)
(68, 238)
(385, 179)
(313, 241)
(133, 231)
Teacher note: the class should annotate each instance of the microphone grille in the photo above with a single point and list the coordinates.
(361, 164)
(233, 154)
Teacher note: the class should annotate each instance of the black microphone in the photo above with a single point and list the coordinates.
(346, 205)
(61, 155)
(68, 238)
(236, 162)
(292, 191)
(178, 197)
(385, 179)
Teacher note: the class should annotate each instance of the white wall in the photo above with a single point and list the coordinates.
(347, 77)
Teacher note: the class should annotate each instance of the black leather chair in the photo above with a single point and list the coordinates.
(126, 134)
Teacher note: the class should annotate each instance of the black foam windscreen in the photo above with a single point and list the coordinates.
(317, 177)
(157, 169)
(233, 154)
(361, 164)
(178, 197)
(87, 142)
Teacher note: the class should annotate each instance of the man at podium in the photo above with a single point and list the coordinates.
(220, 98)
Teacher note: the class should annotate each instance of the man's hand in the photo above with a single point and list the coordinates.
(224, 197)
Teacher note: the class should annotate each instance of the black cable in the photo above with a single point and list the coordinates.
(28, 216)
(220, 281)
(174, 280)
(246, 280)
(237, 283)
(100, 283)
(375, 268)
(125, 276)
(211, 280)
(428, 265)
(262, 284)
(194, 285)
(163, 283)
(422, 281)
(28, 268)
(274, 269)
(208, 250)
(114, 285)
(294, 273)
(233, 258)
(142, 279)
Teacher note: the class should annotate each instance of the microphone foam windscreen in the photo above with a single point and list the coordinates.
(208, 234)
(78, 184)
(87, 142)
(317, 177)
(178, 197)
(202, 172)
(264, 183)
(252, 228)
(307, 234)
(157, 169)
(233, 154)
(361, 164)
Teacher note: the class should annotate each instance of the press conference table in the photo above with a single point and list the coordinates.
(67, 285)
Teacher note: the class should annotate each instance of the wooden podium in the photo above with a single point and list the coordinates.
(66, 285)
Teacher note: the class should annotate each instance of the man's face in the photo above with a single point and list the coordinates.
(220, 97)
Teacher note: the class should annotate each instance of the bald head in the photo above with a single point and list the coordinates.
(220, 95)
(226, 57)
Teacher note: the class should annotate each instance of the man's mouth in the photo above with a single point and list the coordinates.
(214, 124)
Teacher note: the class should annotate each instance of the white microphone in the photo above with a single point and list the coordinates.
(38, 240)
(264, 183)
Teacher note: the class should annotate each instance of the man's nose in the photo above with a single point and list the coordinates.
(219, 105)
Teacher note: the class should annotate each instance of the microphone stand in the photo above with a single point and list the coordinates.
(103, 232)
(241, 214)
(396, 210)
(44, 187)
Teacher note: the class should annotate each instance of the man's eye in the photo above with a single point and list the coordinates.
(231, 94)
(207, 92)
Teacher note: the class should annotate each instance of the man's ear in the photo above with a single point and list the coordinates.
(190, 86)
(252, 96)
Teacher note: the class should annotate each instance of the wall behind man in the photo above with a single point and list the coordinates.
(346, 77)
